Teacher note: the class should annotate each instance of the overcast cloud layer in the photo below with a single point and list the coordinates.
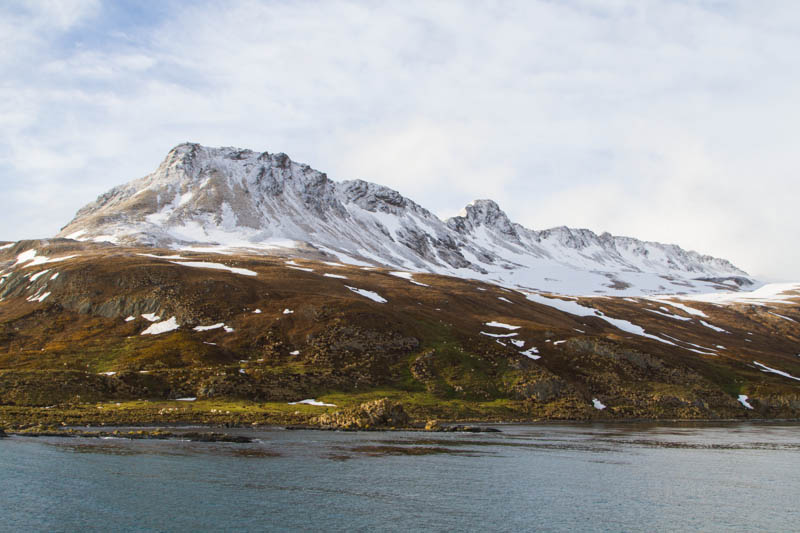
(668, 121)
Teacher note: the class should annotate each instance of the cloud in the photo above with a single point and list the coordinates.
(668, 121)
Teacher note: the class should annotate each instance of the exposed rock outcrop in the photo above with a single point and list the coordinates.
(382, 413)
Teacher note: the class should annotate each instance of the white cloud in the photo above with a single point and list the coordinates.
(422, 158)
(662, 120)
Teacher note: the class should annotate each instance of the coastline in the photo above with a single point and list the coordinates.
(189, 432)
(35, 424)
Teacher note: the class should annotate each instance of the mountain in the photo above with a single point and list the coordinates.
(228, 199)
(229, 285)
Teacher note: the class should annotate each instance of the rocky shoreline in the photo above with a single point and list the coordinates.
(173, 433)
(375, 415)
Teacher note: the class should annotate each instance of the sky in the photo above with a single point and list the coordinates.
(672, 121)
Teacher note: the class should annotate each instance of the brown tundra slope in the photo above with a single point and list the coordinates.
(84, 324)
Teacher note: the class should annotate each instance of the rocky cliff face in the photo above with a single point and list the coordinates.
(232, 198)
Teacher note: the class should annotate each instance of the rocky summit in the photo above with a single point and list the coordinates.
(235, 287)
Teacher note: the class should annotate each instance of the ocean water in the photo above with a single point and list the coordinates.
(695, 477)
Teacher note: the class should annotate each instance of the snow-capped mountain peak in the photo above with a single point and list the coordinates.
(483, 213)
(229, 197)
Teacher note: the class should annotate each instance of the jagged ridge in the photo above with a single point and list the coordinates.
(241, 198)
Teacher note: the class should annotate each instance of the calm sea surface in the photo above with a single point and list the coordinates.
(735, 477)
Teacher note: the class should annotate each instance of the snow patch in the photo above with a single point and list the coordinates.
(336, 276)
(408, 276)
(567, 306)
(32, 259)
(531, 353)
(685, 308)
(157, 328)
(208, 328)
(598, 404)
(743, 400)
(152, 317)
(300, 268)
(699, 351)
(312, 401)
(499, 335)
(287, 311)
(494, 324)
(292, 264)
(712, 326)
(39, 298)
(669, 315)
(130, 318)
(215, 326)
(765, 368)
(39, 274)
(770, 312)
(708, 351)
(374, 296)
(215, 266)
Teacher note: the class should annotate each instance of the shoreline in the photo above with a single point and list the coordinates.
(463, 426)
(350, 413)
(243, 434)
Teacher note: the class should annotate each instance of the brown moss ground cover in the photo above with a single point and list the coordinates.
(423, 348)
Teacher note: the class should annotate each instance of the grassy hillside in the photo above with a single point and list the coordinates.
(284, 332)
